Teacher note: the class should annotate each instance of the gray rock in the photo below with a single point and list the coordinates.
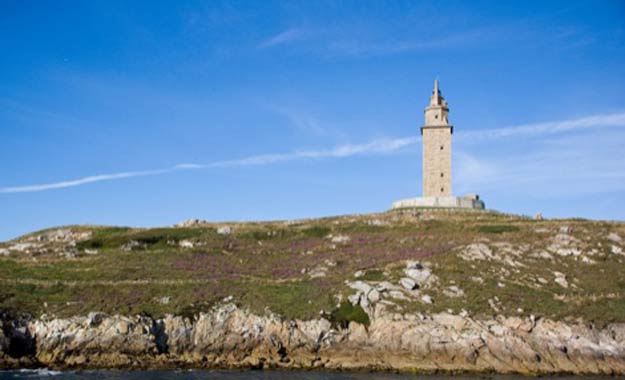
(354, 299)
(190, 223)
(340, 239)
(560, 279)
(398, 295)
(361, 286)
(224, 230)
(229, 336)
(373, 296)
(413, 265)
(453, 292)
(613, 236)
(186, 244)
(408, 283)
(420, 276)
(385, 286)
(477, 251)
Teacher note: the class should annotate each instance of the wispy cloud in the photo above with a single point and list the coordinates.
(570, 165)
(472, 167)
(553, 127)
(83, 181)
(284, 37)
(557, 164)
(353, 42)
(300, 120)
(376, 146)
(358, 47)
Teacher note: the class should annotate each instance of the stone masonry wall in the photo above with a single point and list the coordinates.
(437, 162)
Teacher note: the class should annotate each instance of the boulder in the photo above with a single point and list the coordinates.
(420, 276)
(408, 283)
(186, 244)
(340, 239)
(614, 237)
(560, 279)
(360, 286)
(224, 230)
(373, 296)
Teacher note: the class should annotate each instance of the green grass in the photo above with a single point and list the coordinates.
(299, 299)
(267, 266)
(373, 275)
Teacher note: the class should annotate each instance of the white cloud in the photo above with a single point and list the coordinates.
(299, 119)
(570, 165)
(376, 146)
(282, 38)
(82, 181)
(554, 127)
(358, 47)
(345, 42)
(472, 171)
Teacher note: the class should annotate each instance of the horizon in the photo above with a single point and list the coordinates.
(151, 113)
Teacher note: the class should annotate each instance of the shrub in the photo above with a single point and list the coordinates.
(346, 313)
(115, 237)
(497, 229)
(373, 275)
(103, 238)
(316, 231)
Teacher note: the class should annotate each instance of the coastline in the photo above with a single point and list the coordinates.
(229, 337)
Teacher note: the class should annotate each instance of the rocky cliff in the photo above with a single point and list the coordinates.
(229, 336)
(427, 291)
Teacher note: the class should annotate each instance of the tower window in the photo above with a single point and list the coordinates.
(442, 189)
(436, 116)
(441, 147)
(442, 175)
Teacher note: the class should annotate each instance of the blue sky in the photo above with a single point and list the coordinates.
(149, 113)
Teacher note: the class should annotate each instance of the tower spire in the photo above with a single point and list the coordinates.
(436, 112)
(436, 99)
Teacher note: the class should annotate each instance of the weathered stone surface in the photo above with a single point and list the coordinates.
(408, 283)
(231, 337)
(224, 230)
(340, 239)
(419, 275)
(560, 279)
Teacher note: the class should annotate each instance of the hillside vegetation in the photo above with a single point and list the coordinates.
(418, 262)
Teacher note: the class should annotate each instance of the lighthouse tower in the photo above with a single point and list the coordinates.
(436, 137)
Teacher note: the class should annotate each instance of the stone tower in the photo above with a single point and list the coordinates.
(436, 136)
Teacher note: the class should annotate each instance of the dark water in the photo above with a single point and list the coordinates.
(249, 375)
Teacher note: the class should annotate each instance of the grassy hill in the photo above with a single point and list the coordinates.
(481, 262)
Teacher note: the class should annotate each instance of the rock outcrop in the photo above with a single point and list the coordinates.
(229, 336)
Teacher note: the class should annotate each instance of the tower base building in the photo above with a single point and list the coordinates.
(436, 138)
(467, 201)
